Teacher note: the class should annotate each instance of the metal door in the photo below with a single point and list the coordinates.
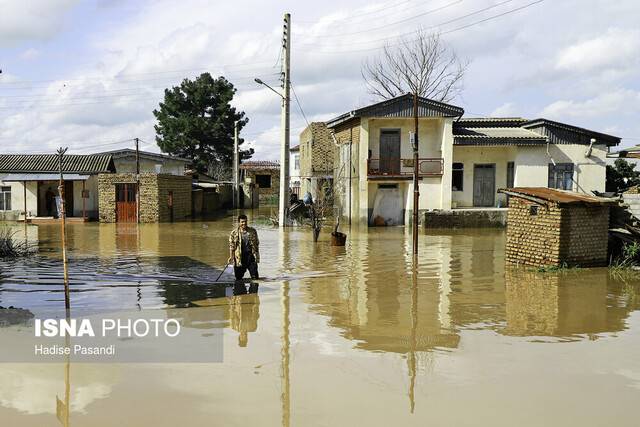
(390, 152)
(126, 202)
(484, 183)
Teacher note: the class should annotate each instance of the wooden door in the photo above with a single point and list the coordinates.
(390, 152)
(484, 181)
(126, 202)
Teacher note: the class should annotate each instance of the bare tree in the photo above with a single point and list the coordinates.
(220, 171)
(423, 64)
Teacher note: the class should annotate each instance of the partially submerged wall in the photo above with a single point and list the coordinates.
(154, 196)
(553, 235)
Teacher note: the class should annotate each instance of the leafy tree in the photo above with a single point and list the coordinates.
(196, 121)
(622, 175)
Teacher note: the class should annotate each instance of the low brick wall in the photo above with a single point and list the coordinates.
(154, 196)
(466, 218)
(576, 235)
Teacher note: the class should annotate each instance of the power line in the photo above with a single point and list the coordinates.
(361, 14)
(441, 33)
(391, 24)
(450, 21)
(295, 95)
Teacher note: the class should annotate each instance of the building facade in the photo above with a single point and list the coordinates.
(294, 170)
(29, 185)
(462, 162)
(263, 175)
(317, 157)
(550, 227)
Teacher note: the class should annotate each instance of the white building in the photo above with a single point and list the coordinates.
(294, 170)
(34, 178)
(462, 161)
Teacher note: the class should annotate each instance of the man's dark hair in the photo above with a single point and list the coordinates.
(241, 217)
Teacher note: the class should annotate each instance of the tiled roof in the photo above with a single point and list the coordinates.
(259, 164)
(562, 197)
(43, 163)
(495, 135)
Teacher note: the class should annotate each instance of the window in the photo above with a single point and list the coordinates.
(510, 174)
(296, 162)
(457, 177)
(561, 176)
(5, 198)
(263, 181)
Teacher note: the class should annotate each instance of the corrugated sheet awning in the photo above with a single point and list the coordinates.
(48, 163)
(13, 177)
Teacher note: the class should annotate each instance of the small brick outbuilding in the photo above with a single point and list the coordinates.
(549, 227)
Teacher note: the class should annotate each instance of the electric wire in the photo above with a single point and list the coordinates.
(299, 105)
(440, 33)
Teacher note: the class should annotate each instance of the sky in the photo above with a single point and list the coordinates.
(88, 74)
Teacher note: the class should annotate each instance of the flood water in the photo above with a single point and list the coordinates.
(334, 336)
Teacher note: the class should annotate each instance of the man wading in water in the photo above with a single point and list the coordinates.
(244, 249)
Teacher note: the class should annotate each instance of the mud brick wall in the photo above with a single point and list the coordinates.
(573, 234)
(154, 196)
(180, 186)
(584, 235)
(266, 196)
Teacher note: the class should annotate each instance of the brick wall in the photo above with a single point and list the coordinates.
(572, 234)
(180, 186)
(266, 196)
(154, 196)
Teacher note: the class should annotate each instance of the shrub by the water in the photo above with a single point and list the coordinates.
(10, 247)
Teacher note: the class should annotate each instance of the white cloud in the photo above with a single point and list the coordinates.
(505, 110)
(30, 54)
(608, 103)
(37, 19)
(617, 48)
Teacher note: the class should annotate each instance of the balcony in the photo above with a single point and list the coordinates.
(396, 168)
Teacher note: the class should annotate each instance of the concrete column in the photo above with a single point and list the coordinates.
(447, 155)
(363, 197)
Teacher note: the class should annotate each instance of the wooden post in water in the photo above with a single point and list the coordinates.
(61, 151)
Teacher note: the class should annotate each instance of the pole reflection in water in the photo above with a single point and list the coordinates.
(284, 353)
(411, 358)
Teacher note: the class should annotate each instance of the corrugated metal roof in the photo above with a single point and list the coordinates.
(562, 197)
(259, 164)
(497, 132)
(478, 122)
(43, 163)
(401, 106)
(496, 136)
(560, 133)
(129, 152)
(16, 177)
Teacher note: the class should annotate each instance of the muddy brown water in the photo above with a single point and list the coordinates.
(334, 336)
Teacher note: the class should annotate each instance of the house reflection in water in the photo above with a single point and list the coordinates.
(563, 304)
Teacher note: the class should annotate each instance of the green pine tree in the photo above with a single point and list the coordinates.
(196, 121)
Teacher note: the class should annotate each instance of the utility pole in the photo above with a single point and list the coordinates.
(137, 180)
(284, 153)
(63, 224)
(416, 171)
(236, 166)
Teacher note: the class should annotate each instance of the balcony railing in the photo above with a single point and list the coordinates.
(392, 167)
